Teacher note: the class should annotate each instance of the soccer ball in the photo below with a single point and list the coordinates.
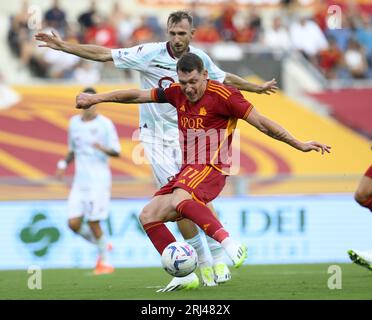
(179, 259)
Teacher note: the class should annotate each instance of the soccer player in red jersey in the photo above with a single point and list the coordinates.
(207, 111)
(363, 195)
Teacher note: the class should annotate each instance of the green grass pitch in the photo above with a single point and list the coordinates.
(307, 281)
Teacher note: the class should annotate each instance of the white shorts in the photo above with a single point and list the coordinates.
(92, 203)
(165, 161)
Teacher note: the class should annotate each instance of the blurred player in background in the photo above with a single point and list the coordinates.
(92, 138)
(204, 170)
(363, 196)
(156, 63)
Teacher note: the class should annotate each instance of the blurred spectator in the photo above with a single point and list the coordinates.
(55, 18)
(355, 60)
(341, 36)
(8, 97)
(225, 24)
(123, 23)
(277, 36)
(195, 13)
(321, 15)
(86, 73)
(18, 32)
(143, 33)
(245, 34)
(364, 35)
(86, 18)
(255, 23)
(207, 32)
(101, 33)
(330, 60)
(307, 38)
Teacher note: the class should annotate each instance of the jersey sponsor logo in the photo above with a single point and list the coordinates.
(162, 67)
(192, 123)
(202, 111)
(165, 82)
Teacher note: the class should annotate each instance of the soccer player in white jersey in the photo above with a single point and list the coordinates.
(92, 139)
(156, 63)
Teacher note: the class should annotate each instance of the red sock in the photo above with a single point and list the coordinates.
(203, 217)
(368, 204)
(159, 235)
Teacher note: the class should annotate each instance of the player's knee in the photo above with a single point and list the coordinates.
(147, 216)
(359, 197)
(74, 225)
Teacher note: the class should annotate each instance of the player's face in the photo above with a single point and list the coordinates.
(180, 35)
(193, 84)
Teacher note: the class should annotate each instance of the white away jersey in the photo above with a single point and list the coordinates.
(157, 67)
(92, 165)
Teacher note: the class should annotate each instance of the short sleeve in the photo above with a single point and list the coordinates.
(238, 106)
(112, 137)
(137, 57)
(167, 95)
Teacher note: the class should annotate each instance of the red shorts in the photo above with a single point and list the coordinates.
(203, 182)
(369, 172)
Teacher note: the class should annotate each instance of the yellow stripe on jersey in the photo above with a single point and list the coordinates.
(219, 93)
(222, 88)
(231, 124)
(202, 178)
(196, 178)
(248, 112)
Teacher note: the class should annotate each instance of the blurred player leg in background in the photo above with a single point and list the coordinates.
(363, 196)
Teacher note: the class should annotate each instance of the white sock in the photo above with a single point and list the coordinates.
(197, 243)
(216, 250)
(86, 233)
(102, 248)
(230, 246)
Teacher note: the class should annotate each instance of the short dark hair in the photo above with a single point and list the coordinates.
(89, 90)
(190, 62)
(178, 16)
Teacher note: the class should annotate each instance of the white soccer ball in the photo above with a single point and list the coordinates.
(179, 259)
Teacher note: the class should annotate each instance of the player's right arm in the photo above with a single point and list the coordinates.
(86, 51)
(276, 131)
(86, 100)
(63, 164)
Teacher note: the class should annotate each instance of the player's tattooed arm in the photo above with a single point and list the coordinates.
(86, 100)
(276, 131)
(268, 87)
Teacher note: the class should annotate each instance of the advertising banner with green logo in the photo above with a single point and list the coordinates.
(302, 229)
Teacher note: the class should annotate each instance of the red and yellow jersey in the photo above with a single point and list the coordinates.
(206, 127)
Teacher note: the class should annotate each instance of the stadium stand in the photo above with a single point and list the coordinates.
(350, 106)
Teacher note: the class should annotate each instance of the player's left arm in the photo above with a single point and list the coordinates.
(109, 151)
(276, 131)
(112, 146)
(86, 100)
(268, 87)
(215, 73)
